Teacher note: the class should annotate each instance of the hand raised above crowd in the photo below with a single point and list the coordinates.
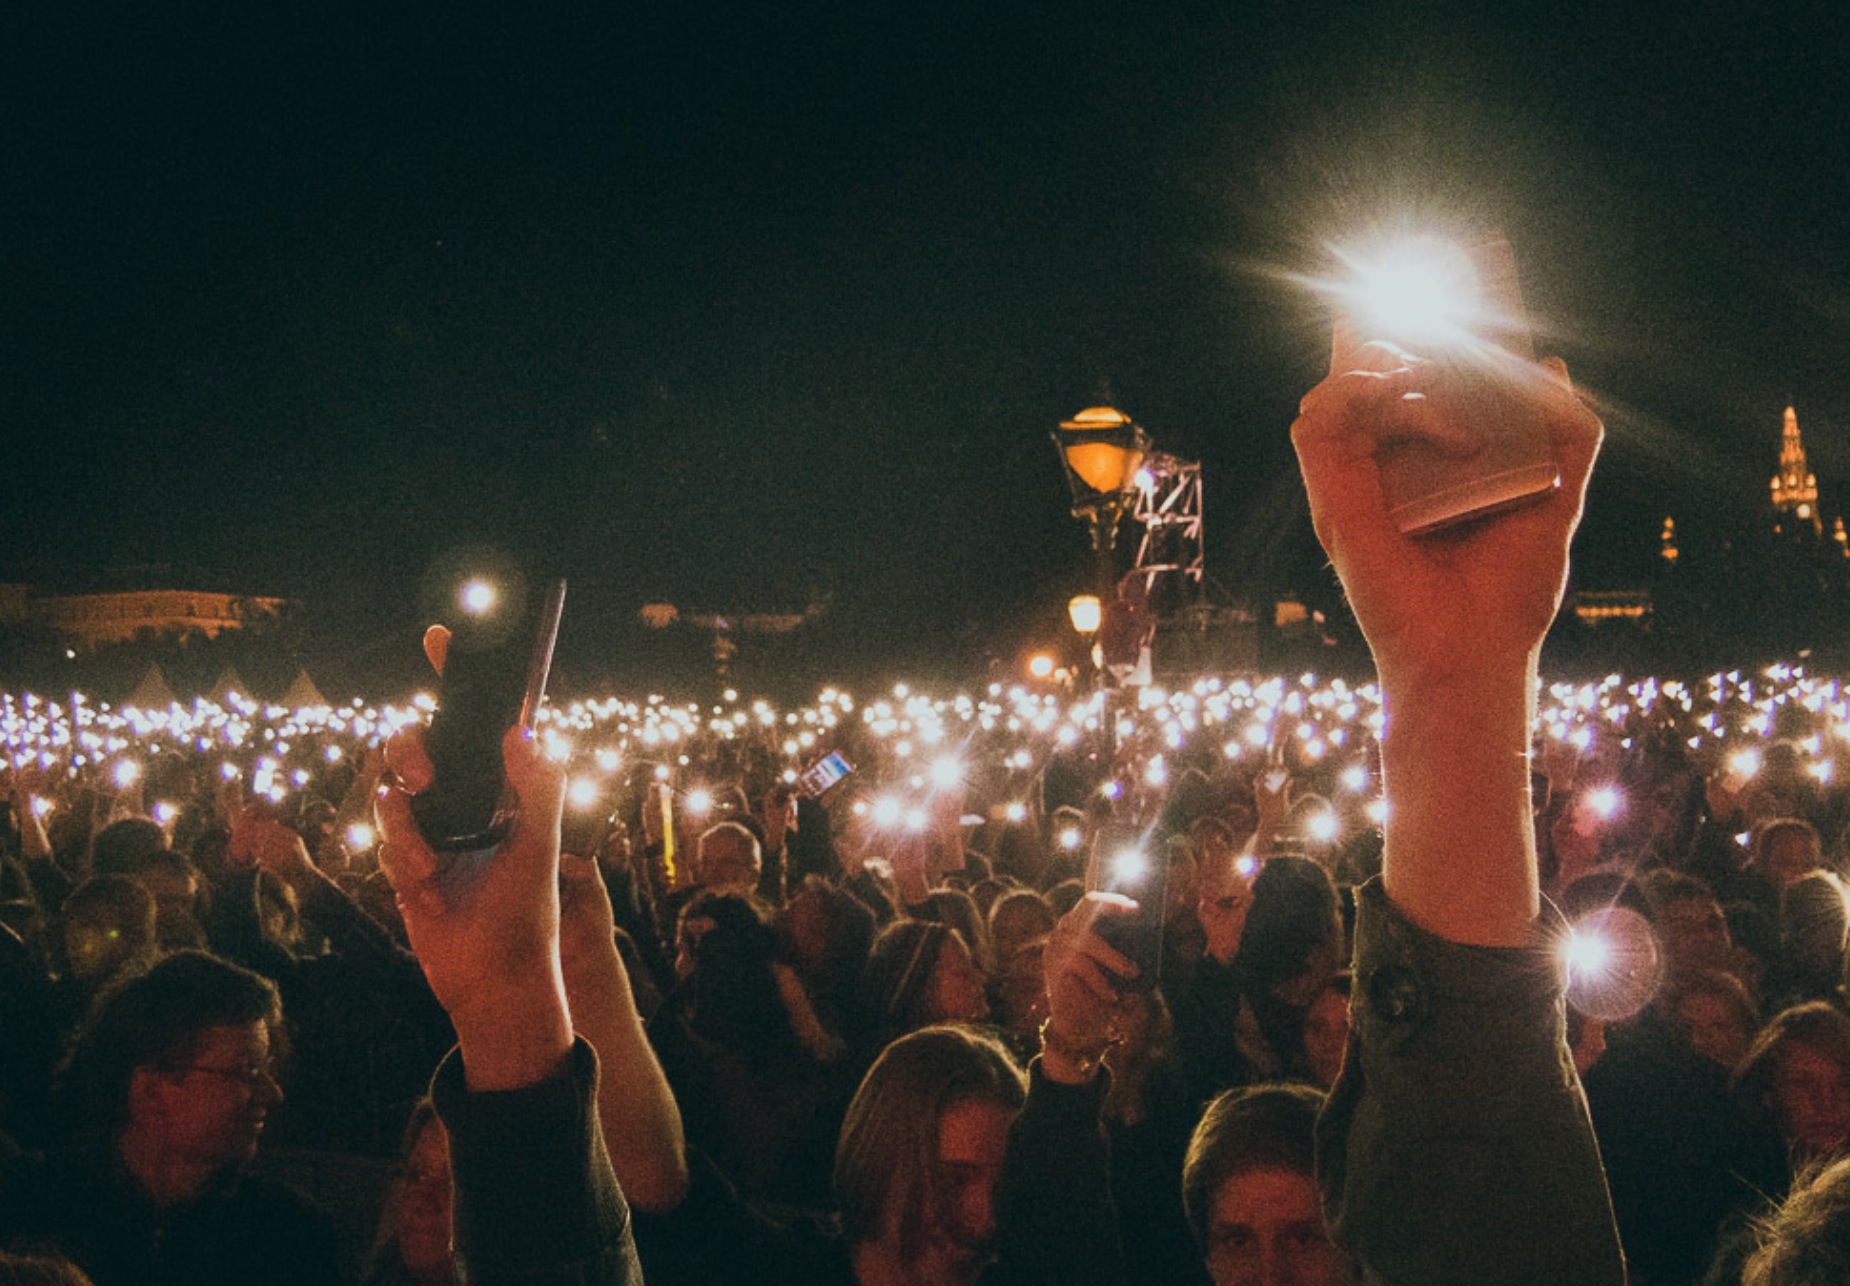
(485, 928)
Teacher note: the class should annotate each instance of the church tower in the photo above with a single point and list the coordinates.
(1795, 488)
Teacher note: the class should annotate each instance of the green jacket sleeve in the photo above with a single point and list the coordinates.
(536, 1202)
(1456, 1145)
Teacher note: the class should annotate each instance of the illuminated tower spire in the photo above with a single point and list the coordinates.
(1795, 488)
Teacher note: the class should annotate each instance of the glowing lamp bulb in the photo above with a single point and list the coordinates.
(477, 597)
(359, 837)
(699, 802)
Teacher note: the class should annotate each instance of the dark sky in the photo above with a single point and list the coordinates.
(725, 302)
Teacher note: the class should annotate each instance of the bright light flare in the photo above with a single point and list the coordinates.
(1322, 827)
(1421, 289)
(699, 802)
(1016, 812)
(582, 794)
(887, 811)
(164, 813)
(477, 597)
(946, 773)
(1744, 763)
(1605, 802)
(1354, 777)
(127, 773)
(359, 837)
(1129, 867)
(1612, 964)
(1071, 838)
(1040, 665)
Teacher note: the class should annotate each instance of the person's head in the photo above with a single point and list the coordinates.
(957, 909)
(1715, 1013)
(40, 1270)
(125, 844)
(1798, 1071)
(174, 884)
(1813, 926)
(828, 932)
(416, 1226)
(108, 925)
(729, 858)
(1326, 1030)
(921, 1149)
(727, 956)
(1249, 1190)
(181, 1055)
(1018, 918)
(1689, 922)
(1784, 849)
(921, 972)
(1293, 939)
(1806, 1242)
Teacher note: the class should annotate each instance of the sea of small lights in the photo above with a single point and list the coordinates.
(929, 739)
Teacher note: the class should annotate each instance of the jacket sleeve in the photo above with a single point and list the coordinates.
(536, 1202)
(1456, 1145)
(1057, 1219)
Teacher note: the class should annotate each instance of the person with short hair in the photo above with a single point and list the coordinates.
(1249, 1189)
(176, 1069)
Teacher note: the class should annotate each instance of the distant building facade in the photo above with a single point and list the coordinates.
(92, 620)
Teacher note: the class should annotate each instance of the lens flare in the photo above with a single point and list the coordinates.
(1612, 964)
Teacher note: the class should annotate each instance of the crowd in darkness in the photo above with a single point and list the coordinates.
(908, 1027)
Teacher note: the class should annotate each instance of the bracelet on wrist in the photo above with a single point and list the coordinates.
(1085, 1058)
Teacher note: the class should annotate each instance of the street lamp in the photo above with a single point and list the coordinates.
(1087, 613)
(1101, 450)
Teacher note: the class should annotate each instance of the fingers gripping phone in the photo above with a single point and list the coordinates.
(494, 677)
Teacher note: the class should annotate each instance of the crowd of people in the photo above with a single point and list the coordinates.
(1237, 982)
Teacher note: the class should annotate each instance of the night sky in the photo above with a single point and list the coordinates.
(734, 304)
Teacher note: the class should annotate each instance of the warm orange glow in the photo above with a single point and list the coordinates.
(1102, 466)
(1086, 612)
(1040, 665)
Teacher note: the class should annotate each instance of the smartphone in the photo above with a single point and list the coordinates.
(494, 678)
(824, 773)
(1482, 386)
(1125, 860)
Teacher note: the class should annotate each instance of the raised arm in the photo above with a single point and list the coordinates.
(1455, 1146)
(536, 1200)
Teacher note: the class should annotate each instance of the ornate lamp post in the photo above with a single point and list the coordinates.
(1101, 449)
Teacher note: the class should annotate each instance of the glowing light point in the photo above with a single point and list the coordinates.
(1322, 827)
(477, 597)
(359, 837)
(886, 811)
(582, 793)
(1246, 866)
(946, 772)
(1016, 812)
(127, 773)
(1129, 867)
(699, 802)
(1040, 665)
(1604, 802)
(1071, 838)
(1586, 955)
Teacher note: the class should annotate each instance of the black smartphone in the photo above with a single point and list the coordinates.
(825, 772)
(1127, 861)
(494, 677)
